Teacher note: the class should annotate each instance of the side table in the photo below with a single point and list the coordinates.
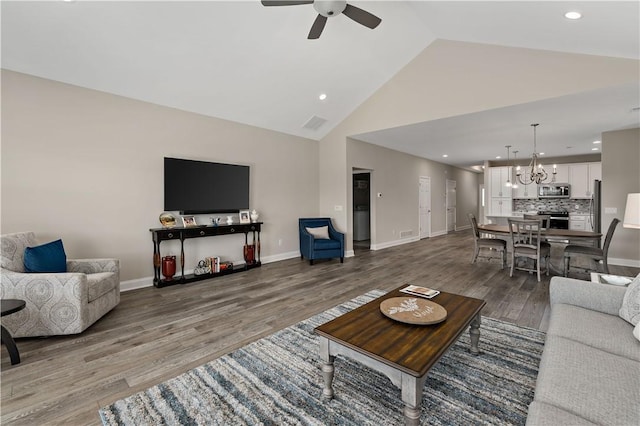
(11, 306)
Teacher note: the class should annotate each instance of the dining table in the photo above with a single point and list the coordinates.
(551, 235)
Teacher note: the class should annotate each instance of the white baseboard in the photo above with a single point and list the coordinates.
(136, 284)
(394, 243)
(439, 233)
(462, 228)
(633, 263)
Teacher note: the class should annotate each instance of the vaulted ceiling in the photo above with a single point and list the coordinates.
(244, 62)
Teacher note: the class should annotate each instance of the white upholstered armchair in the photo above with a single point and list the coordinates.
(56, 303)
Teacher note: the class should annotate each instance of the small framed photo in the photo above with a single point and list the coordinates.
(245, 216)
(189, 221)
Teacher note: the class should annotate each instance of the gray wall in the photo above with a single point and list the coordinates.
(87, 167)
(396, 175)
(621, 176)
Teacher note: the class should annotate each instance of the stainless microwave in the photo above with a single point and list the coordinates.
(554, 190)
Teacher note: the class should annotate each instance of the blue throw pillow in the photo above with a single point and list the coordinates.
(48, 257)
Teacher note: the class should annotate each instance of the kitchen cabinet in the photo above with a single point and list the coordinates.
(498, 179)
(562, 172)
(524, 191)
(500, 206)
(579, 222)
(500, 195)
(581, 177)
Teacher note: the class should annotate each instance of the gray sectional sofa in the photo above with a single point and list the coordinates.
(590, 367)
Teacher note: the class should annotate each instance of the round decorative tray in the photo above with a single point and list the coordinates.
(413, 310)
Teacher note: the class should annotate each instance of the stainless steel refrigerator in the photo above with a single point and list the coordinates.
(595, 206)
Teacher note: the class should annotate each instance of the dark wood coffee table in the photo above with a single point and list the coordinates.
(402, 352)
(10, 306)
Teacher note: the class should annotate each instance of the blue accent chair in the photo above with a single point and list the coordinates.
(319, 248)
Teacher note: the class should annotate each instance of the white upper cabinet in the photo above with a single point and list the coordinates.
(595, 171)
(562, 172)
(498, 179)
(524, 191)
(581, 177)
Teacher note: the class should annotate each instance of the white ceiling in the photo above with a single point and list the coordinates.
(244, 62)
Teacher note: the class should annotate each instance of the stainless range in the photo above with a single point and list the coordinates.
(559, 219)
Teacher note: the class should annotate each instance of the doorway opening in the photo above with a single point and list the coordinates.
(361, 211)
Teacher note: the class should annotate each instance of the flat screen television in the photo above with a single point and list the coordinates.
(199, 187)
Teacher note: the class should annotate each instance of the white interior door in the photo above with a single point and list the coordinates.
(451, 205)
(424, 201)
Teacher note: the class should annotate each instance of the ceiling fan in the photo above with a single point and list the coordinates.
(328, 9)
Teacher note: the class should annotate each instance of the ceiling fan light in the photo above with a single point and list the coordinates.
(328, 8)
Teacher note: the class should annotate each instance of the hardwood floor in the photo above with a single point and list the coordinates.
(156, 334)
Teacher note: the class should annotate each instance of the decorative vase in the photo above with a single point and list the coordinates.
(168, 267)
(229, 220)
(249, 254)
(254, 215)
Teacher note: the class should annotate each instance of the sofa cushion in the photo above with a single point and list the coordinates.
(595, 329)
(321, 232)
(596, 385)
(541, 414)
(48, 257)
(630, 309)
(13, 246)
(100, 284)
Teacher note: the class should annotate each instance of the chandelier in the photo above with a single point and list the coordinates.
(534, 173)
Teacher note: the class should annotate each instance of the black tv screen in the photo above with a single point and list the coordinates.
(195, 187)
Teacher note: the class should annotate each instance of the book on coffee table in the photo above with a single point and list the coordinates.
(416, 290)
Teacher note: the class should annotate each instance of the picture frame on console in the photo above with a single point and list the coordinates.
(189, 221)
(245, 216)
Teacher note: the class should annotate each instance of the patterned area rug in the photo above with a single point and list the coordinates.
(277, 381)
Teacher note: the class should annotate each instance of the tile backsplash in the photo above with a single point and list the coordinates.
(552, 204)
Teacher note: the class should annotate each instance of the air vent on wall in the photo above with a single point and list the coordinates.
(314, 123)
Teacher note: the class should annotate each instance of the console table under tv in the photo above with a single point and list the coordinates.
(182, 233)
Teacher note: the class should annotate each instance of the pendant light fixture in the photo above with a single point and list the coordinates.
(508, 184)
(517, 168)
(535, 173)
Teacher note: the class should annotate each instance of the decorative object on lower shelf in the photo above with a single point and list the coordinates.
(168, 267)
(204, 267)
(249, 253)
(167, 220)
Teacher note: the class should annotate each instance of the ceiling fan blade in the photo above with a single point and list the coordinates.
(285, 3)
(362, 16)
(317, 27)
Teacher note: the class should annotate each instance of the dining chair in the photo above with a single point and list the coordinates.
(546, 219)
(527, 243)
(593, 253)
(493, 244)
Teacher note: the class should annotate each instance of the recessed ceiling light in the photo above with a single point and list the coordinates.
(322, 96)
(594, 149)
(498, 157)
(596, 142)
(573, 15)
(542, 153)
(445, 155)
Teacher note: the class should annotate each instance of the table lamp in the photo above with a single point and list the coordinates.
(632, 212)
